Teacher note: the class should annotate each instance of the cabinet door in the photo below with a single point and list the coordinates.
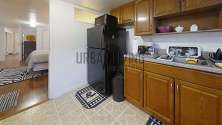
(166, 7)
(143, 17)
(133, 85)
(117, 13)
(196, 105)
(196, 4)
(159, 96)
(128, 13)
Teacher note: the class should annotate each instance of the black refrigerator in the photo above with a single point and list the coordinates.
(106, 47)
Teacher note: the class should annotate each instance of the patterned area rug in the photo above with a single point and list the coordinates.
(9, 100)
(89, 97)
(13, 75)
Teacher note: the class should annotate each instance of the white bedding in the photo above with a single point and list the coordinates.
(40, 67)
(37, 57)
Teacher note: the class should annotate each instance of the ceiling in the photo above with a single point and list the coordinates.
(100, 5)
(14, 13)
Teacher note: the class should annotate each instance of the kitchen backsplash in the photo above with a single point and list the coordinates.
(207, 41)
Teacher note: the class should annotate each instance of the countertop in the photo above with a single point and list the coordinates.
(183, 65)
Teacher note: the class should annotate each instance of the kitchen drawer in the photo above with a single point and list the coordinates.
(134, 63)
(206, 79)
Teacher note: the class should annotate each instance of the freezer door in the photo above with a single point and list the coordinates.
(95, 37)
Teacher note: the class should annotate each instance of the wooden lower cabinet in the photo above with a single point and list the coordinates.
(133, 85)
(197, 105)
(159, 96)
(164, 92)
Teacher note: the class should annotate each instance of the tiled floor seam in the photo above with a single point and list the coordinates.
(116, 119)
(84, 113)
(57, 113)
(96, 111)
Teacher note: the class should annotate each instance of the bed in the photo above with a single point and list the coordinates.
(38, 60)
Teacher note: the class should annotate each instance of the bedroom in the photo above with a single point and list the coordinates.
(24, 53)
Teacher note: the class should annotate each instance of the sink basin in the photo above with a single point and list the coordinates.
(201, 62)
(179, 60)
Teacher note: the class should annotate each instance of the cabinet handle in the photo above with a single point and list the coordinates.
(171, 85)
(177, 87)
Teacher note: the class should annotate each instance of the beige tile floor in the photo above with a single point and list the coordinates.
(66, 110)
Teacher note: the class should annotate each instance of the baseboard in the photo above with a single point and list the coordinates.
(80, 86)
(76, 87)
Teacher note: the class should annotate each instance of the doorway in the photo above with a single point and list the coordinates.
(24, 50)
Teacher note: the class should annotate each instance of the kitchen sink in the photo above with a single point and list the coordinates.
(201, 62)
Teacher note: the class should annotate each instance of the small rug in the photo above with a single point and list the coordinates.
(13, 75)
(9, 100)
(89, 97)
(153, 121)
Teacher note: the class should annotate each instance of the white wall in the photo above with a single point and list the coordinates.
(18, 42)
(18, 38)
(42, 38)
(66, 38)
(2, 44)
(28, 31)
(133, 41)
(10, 42)
(208, 41)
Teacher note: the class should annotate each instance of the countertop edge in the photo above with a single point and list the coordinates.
(188, 66)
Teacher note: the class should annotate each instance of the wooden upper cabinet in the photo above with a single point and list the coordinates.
(128, 13)
(166, 7)
(117, 13)
(197, 4)
(159, 96)
(143, 17)
(196, 105)
(133, 85)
